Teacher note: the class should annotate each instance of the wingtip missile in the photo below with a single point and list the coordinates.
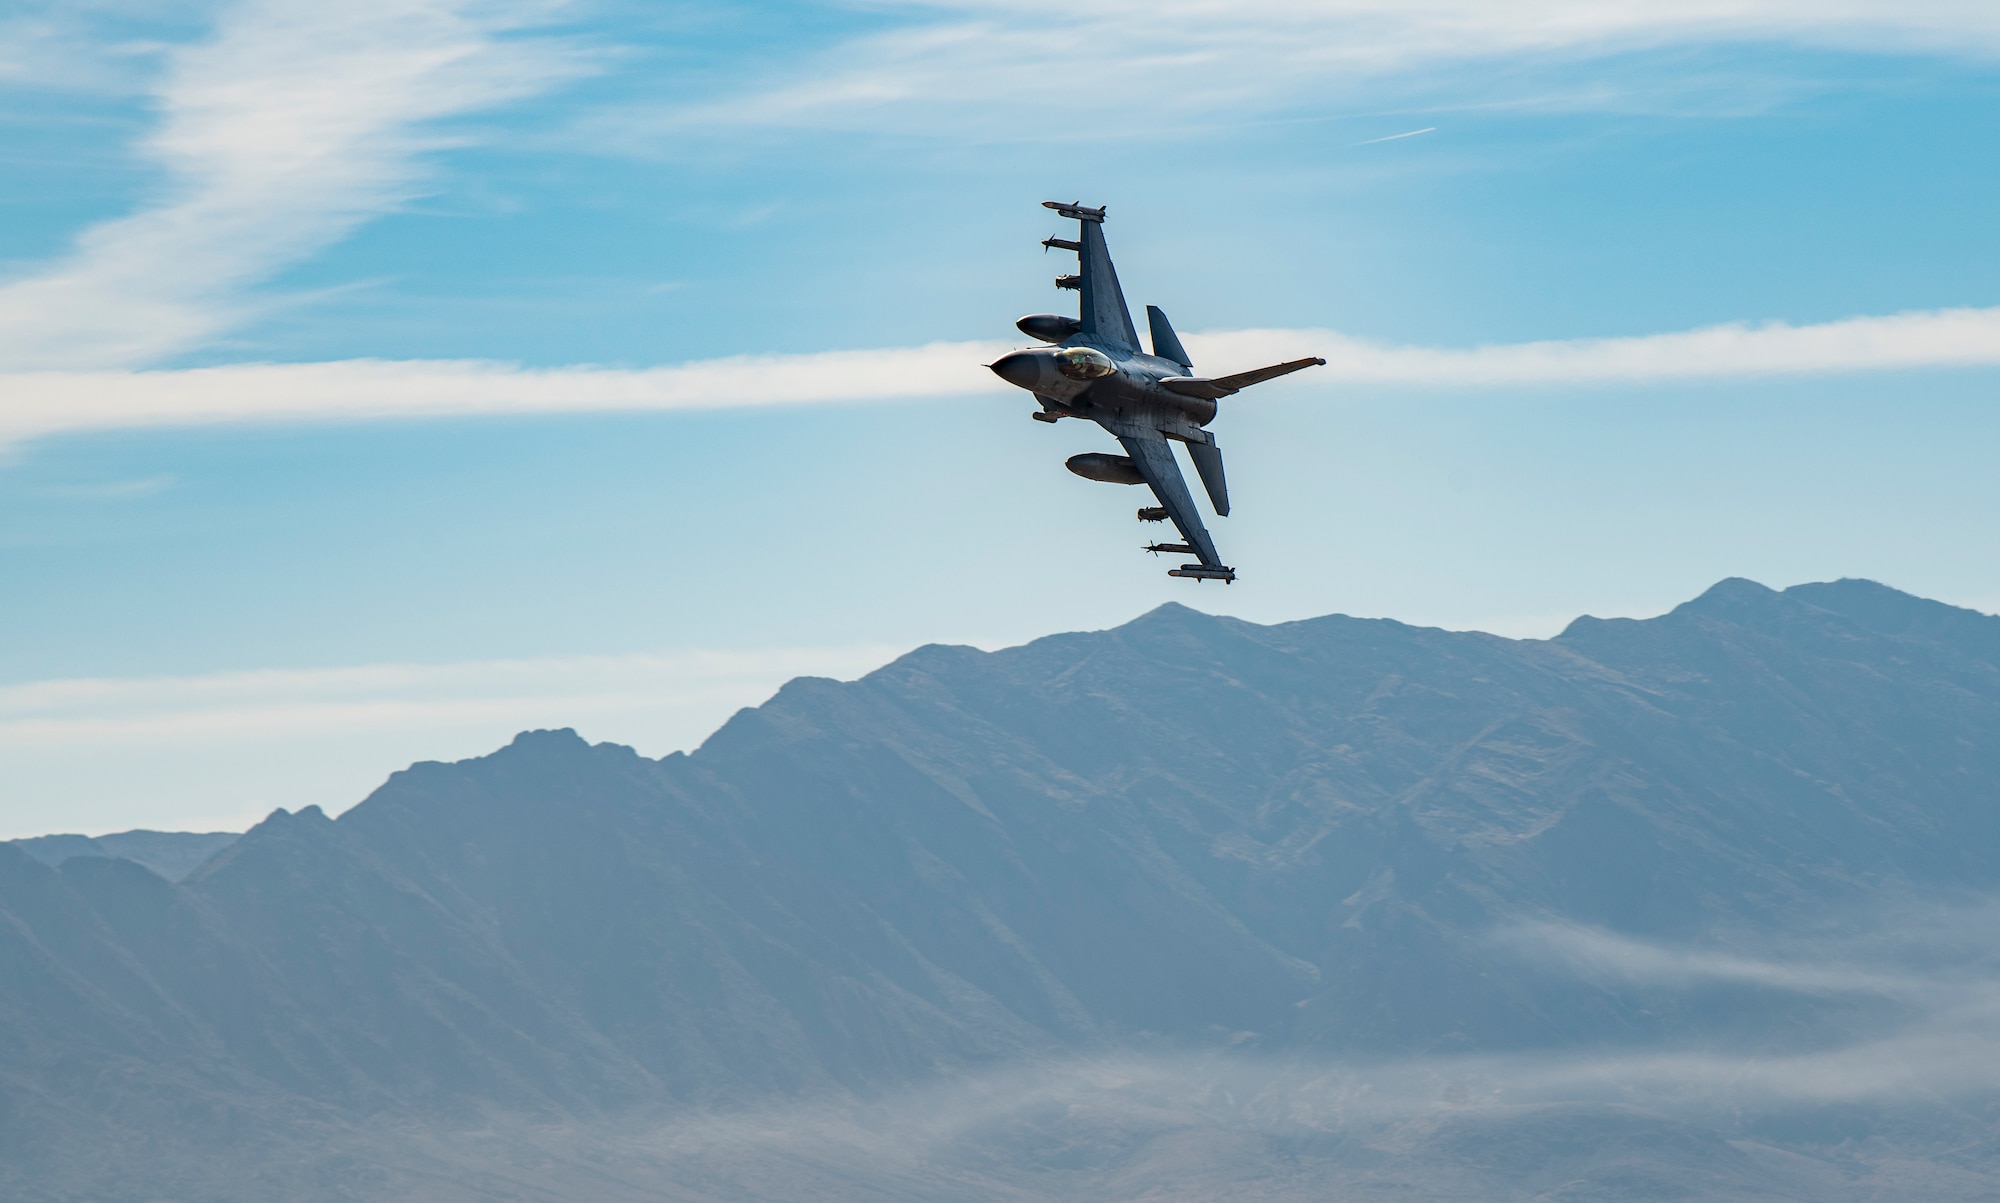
(1075, 210)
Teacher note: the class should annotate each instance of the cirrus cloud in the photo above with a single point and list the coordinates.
(292, 124)
(1003, 67)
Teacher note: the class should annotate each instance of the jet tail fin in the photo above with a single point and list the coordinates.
(1166, 344)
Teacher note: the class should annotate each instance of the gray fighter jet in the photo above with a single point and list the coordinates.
(1096, 370)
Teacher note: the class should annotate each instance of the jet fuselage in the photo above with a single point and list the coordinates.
(1125, 387)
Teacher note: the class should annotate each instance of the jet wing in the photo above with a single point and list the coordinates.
(1155, 461)
(1104, 315)
(1223, 386)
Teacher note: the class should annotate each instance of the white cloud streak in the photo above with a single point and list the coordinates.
(995, 64)
(1601, 953)
(1429, 129)
(1193, 1127)
(230, 705)
(46, 403)
(295, 122)
(1932, 339)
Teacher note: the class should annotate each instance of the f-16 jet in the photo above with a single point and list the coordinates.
(1096, 370)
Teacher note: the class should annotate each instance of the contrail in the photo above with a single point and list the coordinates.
(1429, 129)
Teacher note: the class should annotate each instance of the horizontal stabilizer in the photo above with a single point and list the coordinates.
(1207, 459)
(1223, 386)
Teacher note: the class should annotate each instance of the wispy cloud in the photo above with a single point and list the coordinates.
(294, 122)
(1606, 954)
(363, 390)
(1226, 1126)
(1429, 129)
(1165, 1127)
(71, 47)
(232, 705)
(990, 63)
(219, 750)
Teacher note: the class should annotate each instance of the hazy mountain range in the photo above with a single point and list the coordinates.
(171, 854)
(1694, 906)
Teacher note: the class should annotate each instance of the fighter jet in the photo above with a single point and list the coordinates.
(1095, 370)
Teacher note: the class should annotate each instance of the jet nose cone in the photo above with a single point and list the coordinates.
(1022, 369)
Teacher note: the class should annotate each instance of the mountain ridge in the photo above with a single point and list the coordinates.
(171, 854)
(1333, 838)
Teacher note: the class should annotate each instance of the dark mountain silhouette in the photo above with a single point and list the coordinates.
(1334, 842)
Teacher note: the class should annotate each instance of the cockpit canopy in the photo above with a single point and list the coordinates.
(1083, 363)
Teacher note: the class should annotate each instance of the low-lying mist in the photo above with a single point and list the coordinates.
(1890, 1091)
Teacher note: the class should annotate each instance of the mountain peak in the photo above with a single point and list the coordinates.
(1175, 619)
(547, 745)
(282, 820)
(1862, 599)
(1850, 602)
(1172, 612)
(1729, 597)
(548, 739)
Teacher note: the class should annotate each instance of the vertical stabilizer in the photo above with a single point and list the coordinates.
(1167, 344)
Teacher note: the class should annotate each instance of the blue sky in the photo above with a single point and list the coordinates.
(375, 383)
